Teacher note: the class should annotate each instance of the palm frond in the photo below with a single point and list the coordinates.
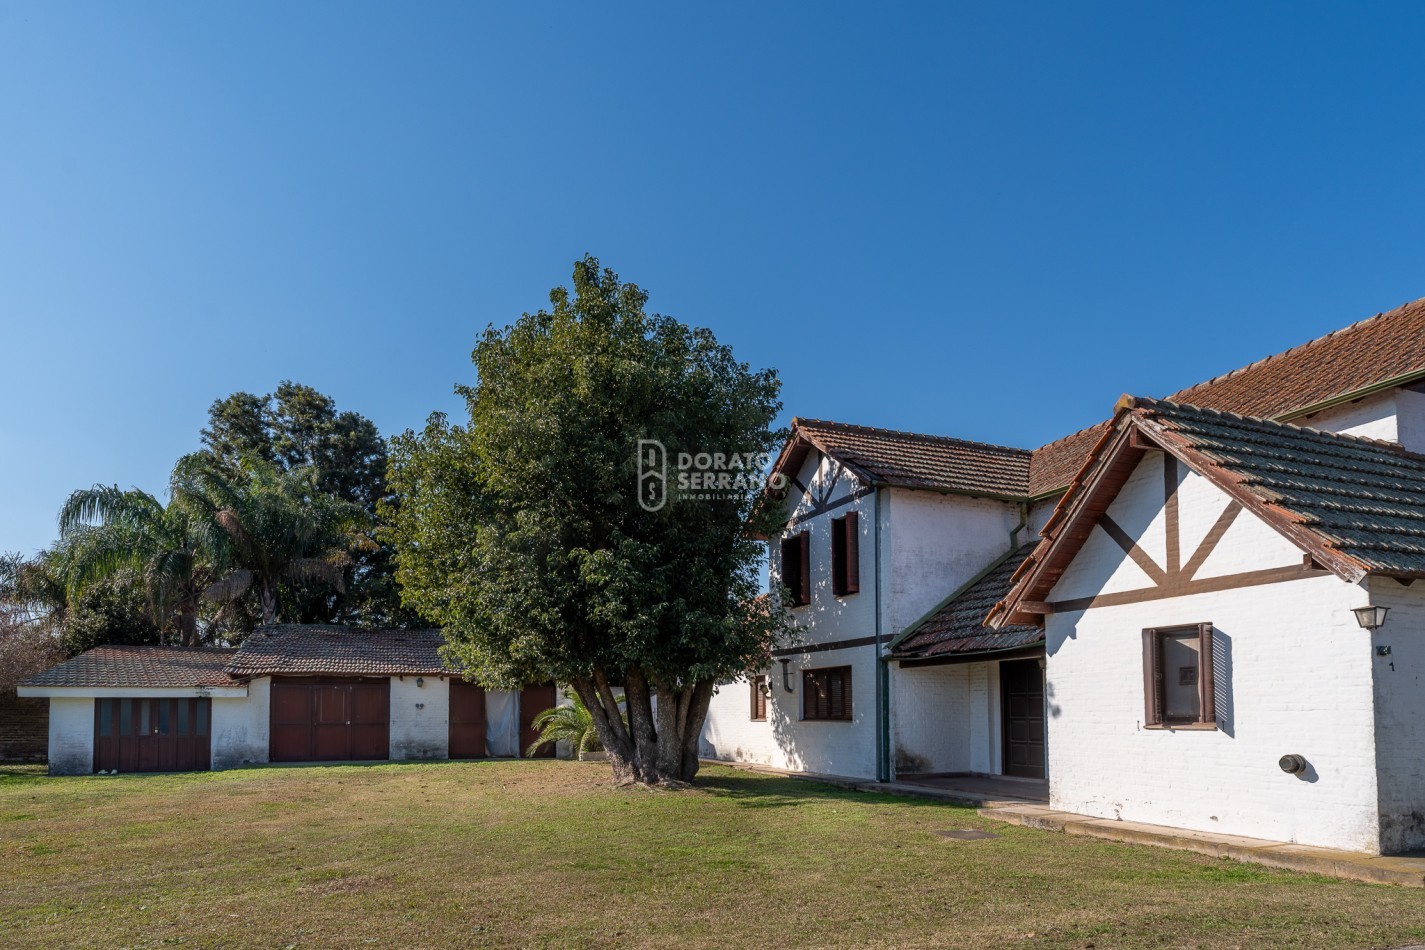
(229, 588)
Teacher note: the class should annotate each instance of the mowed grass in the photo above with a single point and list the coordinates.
(549, 854)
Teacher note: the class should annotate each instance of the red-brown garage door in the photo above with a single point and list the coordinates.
(151, 735)
(467, 720)
(326, 719)
(533, 701)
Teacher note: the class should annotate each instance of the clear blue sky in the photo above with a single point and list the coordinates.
(986, 221)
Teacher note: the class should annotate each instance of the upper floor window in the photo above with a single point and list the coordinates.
(1177, 676)
(845, 555)
(796, 568)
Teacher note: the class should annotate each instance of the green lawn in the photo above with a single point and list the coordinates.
(546, 853)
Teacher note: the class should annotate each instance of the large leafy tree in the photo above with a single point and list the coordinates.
(296, 427)
(279, 529)
(522, 534)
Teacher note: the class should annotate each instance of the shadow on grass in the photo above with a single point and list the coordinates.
(774, 791)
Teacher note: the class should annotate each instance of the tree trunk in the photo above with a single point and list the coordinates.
(655, 746)
(188, 622)
(267, 594)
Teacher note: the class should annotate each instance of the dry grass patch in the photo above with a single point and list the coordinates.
(547, 853)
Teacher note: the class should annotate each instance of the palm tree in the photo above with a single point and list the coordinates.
(573, 724)
(172, 551)
(33, 591)
(279, 527)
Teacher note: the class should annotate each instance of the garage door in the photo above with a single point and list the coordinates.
(151, 735)
(467, 720)
(533, 701)
(330, 720)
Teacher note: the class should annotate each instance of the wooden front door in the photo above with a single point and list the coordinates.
(533, 701)
(1021, 686)
(328, 719)
(467, 720)
(152, 735)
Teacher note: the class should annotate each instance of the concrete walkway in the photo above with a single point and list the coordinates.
(982, 795)
(1408, 871)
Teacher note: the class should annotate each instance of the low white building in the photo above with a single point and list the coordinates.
(291, 693)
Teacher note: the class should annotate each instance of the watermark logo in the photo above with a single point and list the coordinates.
(652, 474)
(701, 476)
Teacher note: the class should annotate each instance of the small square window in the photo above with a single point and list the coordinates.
(826, 693)
(1177, 676)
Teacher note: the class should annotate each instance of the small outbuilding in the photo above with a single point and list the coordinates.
(290, 693)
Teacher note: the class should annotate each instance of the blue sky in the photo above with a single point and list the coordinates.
(979, 220)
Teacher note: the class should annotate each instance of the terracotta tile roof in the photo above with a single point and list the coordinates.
(1360, 498)
(1389, 347)
(1384, 347)
(912, 460)
(314, 649)
(1355, 505)
(1054, 465)
(139, 667)
(957, 626)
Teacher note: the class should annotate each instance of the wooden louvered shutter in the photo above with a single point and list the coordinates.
(1152, 679)
(1206, 682)
(835, 696)
(851, 579)
(804, 568)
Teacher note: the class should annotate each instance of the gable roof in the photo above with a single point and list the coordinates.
(1385, 350)
(317, 649)
(1355, 505)
(909, 459)
(956, 627)
(1377, 353)
(139, 667)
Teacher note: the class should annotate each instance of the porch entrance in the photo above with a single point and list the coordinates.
(1022, 701)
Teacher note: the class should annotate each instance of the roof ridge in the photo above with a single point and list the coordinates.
(831, 423)
(1071, 435)
(1315, 341)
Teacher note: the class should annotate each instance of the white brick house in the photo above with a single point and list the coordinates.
(1197, 590)
(946, 700)
(291, 693)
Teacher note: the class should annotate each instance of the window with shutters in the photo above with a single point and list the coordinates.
(1178, 685)
(845, 555)
(759, 698)
(826, 694)
(796, 568)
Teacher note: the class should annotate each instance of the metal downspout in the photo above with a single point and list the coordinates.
(883, 670)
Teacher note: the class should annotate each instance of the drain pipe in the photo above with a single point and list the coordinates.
(883, 669)
(1023, 523)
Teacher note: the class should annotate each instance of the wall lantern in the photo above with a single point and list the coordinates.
(1370, 618)
(786, 675)
(420, 680)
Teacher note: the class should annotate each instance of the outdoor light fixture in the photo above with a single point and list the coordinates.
(420, 680)
(1370, 618)
(786, 675)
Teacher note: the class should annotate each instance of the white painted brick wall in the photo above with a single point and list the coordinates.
(1400, 712)
(420, 718)
(785, 740)
(239, 726)
(71, 735)
(1373, 417)
(932, 718)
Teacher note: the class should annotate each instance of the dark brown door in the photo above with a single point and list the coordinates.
(330, 720)
(152, 735)
(467, 720)
(1022, 700)
(533, 701)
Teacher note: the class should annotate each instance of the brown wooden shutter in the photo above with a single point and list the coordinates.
(851, 580)
(1206, 682)
(804, 570)
(846, 678)
(1152, 679)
